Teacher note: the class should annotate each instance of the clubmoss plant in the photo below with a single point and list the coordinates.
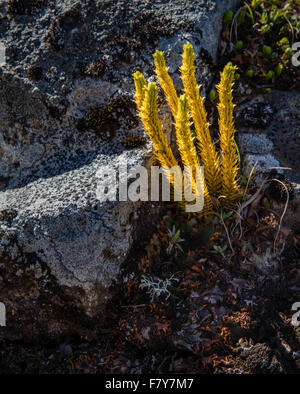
(220, 168)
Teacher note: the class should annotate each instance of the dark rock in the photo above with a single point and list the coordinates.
(257, 115)
(66, 104)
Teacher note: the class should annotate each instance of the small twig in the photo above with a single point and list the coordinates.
(229, 241)
(263, 170)
(238, 223)
(292, 29)
(248, 181)
(162, 363)
(234, 24)
(253, 198)
(257, 217)
(276, 168)
(133, 306)
(283, 213)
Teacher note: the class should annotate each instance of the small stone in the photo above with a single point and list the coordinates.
(65, 350)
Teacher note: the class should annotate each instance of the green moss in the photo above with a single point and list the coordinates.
(213, 95)
(266, 29)
(267, 50)
(228, 17)
(239, 45)
(270, 75)
(249, 73)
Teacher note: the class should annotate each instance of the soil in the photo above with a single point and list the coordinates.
(226, 312)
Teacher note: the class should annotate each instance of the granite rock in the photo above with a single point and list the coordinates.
(66, 103)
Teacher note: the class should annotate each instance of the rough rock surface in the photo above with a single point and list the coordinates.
(65, 106)
(270, 127)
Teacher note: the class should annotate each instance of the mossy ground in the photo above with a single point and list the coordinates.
(262, 50)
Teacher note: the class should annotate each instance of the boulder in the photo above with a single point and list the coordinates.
(268, 133)
(66, 112)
